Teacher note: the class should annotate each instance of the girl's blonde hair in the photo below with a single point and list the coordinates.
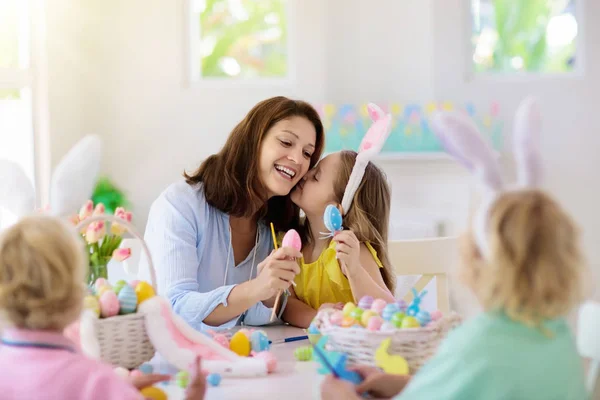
(534, 271)
(369, 215)
(42, 267)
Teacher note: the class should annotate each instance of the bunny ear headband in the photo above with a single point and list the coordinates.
(370, 146)
(71, 185)
(462, 140)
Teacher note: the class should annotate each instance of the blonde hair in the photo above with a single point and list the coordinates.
(369, 215)
(42, 271)
(534, 271)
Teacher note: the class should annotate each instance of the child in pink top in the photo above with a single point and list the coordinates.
(41, 292)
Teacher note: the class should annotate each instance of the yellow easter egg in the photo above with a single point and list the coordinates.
(144, 291)
(410, 322)
(348, 307)
(91, 302)
(366, 316)
(153, 393)
(348, 322)
(240, 344)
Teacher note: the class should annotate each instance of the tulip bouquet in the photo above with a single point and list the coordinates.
(102, 241)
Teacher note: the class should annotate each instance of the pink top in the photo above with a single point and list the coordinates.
(55, 373)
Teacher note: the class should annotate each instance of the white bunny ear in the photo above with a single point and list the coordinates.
(75, 176)
(461, 139)
(528, 126)
(375, 112)
(17, 194)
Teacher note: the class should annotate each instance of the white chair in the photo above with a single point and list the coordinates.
(428, 258)
(588, 343)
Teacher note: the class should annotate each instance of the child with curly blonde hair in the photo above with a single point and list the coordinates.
(521, 257)
(42, 272)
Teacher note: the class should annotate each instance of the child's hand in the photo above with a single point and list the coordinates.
(144, 381)
(197, 386)
(333, 388)
(347, 250)
(335, 306)
(379, 384)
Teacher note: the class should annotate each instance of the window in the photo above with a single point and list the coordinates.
(239, 40)
(511, 36)
(16, 95)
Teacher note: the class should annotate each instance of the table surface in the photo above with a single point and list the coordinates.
(291, 380)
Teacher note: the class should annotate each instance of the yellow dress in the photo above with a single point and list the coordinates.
(322, 281)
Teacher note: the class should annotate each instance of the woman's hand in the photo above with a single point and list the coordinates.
(380, 384)
(347, 251)
(276, 272)
(333, 389)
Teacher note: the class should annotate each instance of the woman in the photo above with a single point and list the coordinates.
(208, 232)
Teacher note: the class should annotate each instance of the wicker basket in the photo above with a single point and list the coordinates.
(416, 345)
(121, 340)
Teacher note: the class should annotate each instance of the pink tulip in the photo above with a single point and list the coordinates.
(86, 210)
(74, 219)
(95, 232)
(116, 228)
(121, 254)
(100, 209)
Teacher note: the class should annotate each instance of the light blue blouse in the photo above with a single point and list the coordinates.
(189, 241)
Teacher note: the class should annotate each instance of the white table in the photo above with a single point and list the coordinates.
(292, 380)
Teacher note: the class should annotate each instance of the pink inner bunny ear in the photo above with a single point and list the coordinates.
(375, 112)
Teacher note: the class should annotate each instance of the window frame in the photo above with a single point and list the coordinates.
(193, 74)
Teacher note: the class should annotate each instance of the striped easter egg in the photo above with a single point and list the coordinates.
(127, 300)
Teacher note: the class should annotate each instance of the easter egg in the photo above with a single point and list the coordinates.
(401, 305)
(366, 315)
(435, 315)
(269, 359)
(292, 239)
(136, 372)
(213, 379)
(410, 322)
(182, 379)
(103, 289)
(375, 323)
(134, 283)
(348, 307)
(127, 300)
(109, 304)
(423, 317)
(144, 291)
(240, 344)
(348, 322)
(259, 341)
(389, 310)
(153, 393)
(332, 218)
(387, 327)
(312, 328)
(119, 285)
(378, 305)
(122, 372)
(336, 318)
(245, 332)
(90, 302)
(100, 282)
(357, 313)
(365, 302)
(303, 353)
(397, 319)
(222, 340)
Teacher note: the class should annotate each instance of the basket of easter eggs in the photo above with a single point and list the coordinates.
(361, 331)
(110, 327)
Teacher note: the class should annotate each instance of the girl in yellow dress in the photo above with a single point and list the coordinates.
(354, 262)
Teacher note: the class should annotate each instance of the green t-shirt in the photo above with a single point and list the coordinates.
(492, 357)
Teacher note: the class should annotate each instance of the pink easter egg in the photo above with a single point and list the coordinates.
(435, 315)
(136, 372)
(374, 323)
(336, 318)
(245, 332)
(222, 340)
(133, 284)
(269, 358)
(378, 305)
(292, 239)
(100, 282)
(109, 304)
